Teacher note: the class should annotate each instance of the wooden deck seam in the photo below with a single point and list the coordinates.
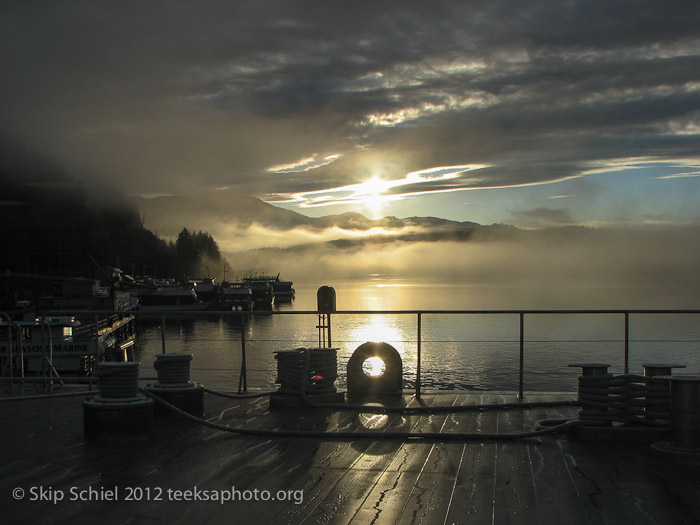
(420, 473)
(360, 457)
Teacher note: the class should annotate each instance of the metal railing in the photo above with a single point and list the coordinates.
(519, 314)
(420, 314)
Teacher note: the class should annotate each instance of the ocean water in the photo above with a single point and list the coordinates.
(469, 352)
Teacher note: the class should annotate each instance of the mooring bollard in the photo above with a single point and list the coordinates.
(592, 369)
(685, 412)
(658, 397)
(119, 409)
(173, 369)
(593, 393)
(659, 370)
(318, 377)
(174, 384)
(375, 370)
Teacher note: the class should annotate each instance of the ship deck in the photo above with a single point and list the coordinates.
(553, 478)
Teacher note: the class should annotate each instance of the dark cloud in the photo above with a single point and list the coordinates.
(169, 97)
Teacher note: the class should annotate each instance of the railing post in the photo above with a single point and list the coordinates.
(96, 319)
(21, 356)
(8, 362)
(627, 341)
(522, 355)
(46, 324)
(418, 356)
(330, 345)
(243, 377)
(162, 331)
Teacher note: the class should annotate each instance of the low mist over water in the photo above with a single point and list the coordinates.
(626, 268)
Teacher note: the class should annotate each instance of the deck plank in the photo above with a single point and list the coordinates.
(333, 460)
(432, 491)
(353, 487)
(643, 494)
(557, 496)
(394, 488)
(615, 487)
(474, 490)
(279, 467)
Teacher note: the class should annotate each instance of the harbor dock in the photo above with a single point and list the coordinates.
(154, 478)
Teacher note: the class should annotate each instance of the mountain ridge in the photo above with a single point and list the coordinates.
(246, 210)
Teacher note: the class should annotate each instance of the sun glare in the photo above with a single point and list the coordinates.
(373, 186)
(371, 193)
(373, 366)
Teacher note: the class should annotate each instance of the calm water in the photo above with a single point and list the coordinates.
(465, 352)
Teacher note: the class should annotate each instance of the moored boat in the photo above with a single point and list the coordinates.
(64, 344)
(236, 296)
(206, 289)
(65, 323)
(282, 290)
(261, 289)
(179, 299)
(268, 290)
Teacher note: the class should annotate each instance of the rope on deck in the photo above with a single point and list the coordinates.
(237, 396)
(375, 435)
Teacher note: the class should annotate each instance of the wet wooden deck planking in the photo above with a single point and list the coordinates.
(548, 479)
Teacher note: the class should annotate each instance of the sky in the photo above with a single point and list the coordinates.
(533, 113)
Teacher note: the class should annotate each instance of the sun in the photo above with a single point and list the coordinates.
(371, 193)
(373, 186)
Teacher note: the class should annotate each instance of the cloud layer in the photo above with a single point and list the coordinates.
(306, 101)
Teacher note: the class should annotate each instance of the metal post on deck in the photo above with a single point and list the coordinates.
(418, 351)
(21, 355)
(329, 331)
(685, 412)
(627, 341)
(98, 357)
(162, 331)
(522, 355)
(52, 370)
(243, 378)
(9, 345)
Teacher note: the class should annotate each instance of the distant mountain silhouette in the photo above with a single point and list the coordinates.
(161, 212)
(166, 214)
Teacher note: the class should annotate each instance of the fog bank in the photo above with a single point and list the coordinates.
(652, 259)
